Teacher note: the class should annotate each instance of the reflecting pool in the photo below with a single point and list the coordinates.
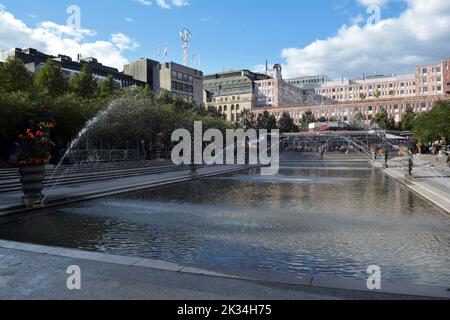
(333, 218)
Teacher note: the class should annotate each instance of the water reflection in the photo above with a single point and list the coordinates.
(335, 219)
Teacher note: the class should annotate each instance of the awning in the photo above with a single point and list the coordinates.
(393, 137)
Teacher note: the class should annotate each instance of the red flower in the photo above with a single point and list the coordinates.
(20, 136)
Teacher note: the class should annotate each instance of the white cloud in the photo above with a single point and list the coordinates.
(180, 3)
(418, 36)
(368, 3)
(129, 19)
(163, 4)
(145, 2)
(124, 42)
(56, 39)
(357, 19)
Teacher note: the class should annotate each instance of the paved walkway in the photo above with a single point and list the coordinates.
(38, 272)
(9, 201)
(428, 181)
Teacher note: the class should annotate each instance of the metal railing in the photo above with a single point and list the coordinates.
(93, 156)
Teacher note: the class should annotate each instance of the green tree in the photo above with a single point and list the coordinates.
(50, 80)
(83, 84)
(286, 124)
(357, 120)
(307, 119)
(433, 125)
(266, 121)
(408, 119)
(213, 112)
(381, 119)
(107, 87)
(247, 120)
(14, 76)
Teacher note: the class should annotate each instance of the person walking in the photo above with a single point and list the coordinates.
(386, 157)
(322, 152)
(410, 164)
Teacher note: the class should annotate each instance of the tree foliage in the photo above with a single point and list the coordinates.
(266, 121)
(50, 80)
(357, 120)
(383, 121)
(83, 84)
(14, 76)
(433, 125)
(307, 119)
(286, 124)
(408, 119)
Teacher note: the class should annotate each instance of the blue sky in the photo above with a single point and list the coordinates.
(230, 34)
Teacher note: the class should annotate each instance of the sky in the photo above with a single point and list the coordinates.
(308, 37)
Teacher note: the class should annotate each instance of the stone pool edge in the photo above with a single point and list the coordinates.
(417, 188)
(328, 282)
(12, 210)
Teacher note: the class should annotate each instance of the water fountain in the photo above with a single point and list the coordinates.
(52, 182)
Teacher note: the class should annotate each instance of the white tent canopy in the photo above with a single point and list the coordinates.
(393, 137)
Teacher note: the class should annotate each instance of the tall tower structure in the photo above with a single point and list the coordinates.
(278, 71)
(186, 37)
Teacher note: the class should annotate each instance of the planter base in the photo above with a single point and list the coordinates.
(33, 202)
(32, 177)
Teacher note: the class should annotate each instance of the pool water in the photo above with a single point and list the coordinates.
(333, 218)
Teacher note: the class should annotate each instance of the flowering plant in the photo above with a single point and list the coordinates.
(35, 146)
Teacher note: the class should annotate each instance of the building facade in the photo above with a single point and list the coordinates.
(343, 99)
(425, 81)
(233, 92)
(170, 76)
(308, 82)
(34, 60)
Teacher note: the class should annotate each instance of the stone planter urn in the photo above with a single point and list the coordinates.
(31, 178)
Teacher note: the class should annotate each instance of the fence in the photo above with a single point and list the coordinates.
(92, 156)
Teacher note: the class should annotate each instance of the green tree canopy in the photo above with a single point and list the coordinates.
(14, 76)
(433, 125)
(286, 124)
(247, 120)
(107, 87)
(307, 118)
(408, 119)
(266, 121)
(83, 84)
(357, 120)
(50, 80)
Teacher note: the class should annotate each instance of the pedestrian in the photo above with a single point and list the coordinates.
(448, 159)
(410, 164)
(322, 152)
(386, 157)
